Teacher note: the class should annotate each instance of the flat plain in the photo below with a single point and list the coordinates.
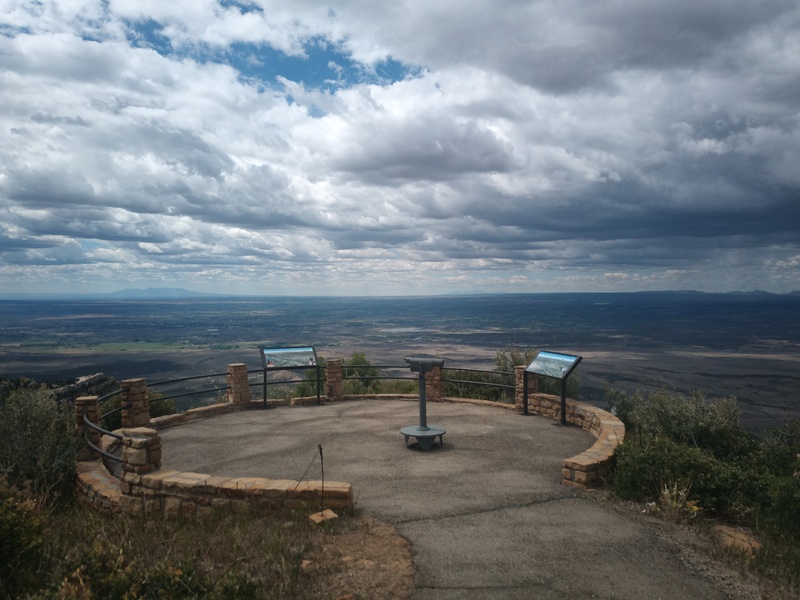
(724, 345)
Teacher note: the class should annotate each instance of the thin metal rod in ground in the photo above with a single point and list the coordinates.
(322, 469)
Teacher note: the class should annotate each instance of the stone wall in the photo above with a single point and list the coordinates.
(170, 494)
(146, 489)
(591, 467)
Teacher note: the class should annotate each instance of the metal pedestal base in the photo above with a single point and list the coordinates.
(425, 436)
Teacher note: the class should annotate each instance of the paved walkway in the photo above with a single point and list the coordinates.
(486, 514)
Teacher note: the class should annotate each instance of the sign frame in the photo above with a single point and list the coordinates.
(551, 364)
(554, 364)
(287, 359)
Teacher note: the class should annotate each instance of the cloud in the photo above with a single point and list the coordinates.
(496, 146)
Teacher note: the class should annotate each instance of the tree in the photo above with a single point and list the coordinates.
(359, 375)
(308, 387)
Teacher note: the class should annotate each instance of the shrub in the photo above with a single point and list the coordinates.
(308, 386)
(398, 386)
(21, 541)
(38, 448)
(691, 420)
(687, 444)
(645, 467)
(359, 373)
(221, 556)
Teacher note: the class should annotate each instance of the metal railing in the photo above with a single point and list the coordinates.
(385, 372)
(265, 383)
(351, 373)
(504, 388)
(88, 423)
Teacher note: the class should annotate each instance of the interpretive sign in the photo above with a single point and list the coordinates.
(287, 358)
(553, 364)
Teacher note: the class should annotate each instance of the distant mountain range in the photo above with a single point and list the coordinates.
(126, 294)
(169, 293)
(155, 293)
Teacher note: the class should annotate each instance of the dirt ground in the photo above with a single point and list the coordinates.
(362, 558)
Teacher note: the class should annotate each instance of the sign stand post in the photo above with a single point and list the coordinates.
(556, 365)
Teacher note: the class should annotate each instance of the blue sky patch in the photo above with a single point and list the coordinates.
(325, 66)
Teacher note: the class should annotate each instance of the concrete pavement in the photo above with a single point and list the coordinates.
(486, 514)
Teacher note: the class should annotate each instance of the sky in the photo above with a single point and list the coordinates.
(389, 148)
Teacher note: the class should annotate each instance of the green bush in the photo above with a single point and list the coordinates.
(308, 387)
(671, 437)
(692, 420)
(21, 541)
(38, 448)
(398, 386)
(358, 370)
(729, 473)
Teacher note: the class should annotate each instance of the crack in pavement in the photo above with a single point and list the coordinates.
(492, 509)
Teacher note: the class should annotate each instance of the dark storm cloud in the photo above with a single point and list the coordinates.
(638, 143)
(424, 148)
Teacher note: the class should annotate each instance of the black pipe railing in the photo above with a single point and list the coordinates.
(103, 399)
(190, 378)
(265, 382)
(504, 388)
(183, 394)
(479, 383)
(356, 377)
(351, 376)
(88, 422)
(349, 373)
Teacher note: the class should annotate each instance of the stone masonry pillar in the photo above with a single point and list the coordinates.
(141, 450)
(334, 385)
(87, 405)
(238, 384)
(433, 384)
(135, 403)
(519, 385)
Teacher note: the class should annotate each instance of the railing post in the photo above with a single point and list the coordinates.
(524, 389)
(433, 384)
(135, 403)
(141, 450)
(334, 385)
(87, 405)
(238, 391)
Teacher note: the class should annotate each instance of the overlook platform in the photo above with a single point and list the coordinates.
(486, 514)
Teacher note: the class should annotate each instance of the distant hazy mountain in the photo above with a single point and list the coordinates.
(128, 294)
(154, 294)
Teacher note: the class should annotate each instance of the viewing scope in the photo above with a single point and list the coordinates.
(422, 363)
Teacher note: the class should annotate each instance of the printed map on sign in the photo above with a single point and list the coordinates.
(282, 358)
(553, 364)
